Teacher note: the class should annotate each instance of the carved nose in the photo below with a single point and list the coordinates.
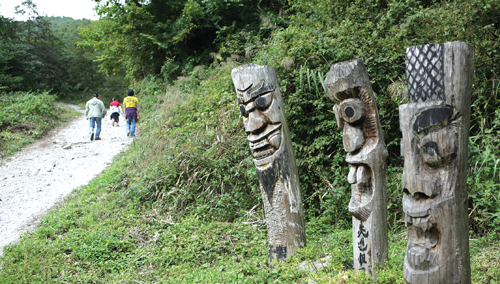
(255, 122)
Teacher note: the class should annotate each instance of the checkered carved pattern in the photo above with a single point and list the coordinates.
(425, 72)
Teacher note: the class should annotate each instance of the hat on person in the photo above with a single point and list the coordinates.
(96, 95)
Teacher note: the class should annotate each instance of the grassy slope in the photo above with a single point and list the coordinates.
(160, 214)
(178, 207)
(99, 235)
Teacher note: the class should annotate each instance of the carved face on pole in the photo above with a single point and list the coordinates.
(349, 87)
(262, 120)
(263, 115)
(351, 117)
(435, 131)
(261, 108)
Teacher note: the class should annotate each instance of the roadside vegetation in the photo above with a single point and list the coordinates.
(183, 205)
(25, 117)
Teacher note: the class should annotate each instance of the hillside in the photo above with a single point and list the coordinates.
(183, 205)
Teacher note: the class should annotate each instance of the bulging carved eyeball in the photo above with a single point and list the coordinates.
(353, 110)
(264, 101)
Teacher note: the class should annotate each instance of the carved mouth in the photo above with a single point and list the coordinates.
(417, 209)
(418, 213)
(256, 137)
(360, 204)
(266, 145)
(421, 252)
(423, 237)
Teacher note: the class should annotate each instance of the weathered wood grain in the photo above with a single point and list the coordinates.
(435, 127)
(265, 123)
(349, 87)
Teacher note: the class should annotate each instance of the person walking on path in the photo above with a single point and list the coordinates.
(115, 109)
(95, 111)
(131, 105)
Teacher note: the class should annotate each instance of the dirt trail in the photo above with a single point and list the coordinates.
(33, 180)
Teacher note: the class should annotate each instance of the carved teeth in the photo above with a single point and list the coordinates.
(263, 154)
(275, 140)
(351, 177)
(412, 211)
(362, 175)
(255, 138)
(358, 175)
(267, 146)
(260, 144)
(419, 222)
(417, 255)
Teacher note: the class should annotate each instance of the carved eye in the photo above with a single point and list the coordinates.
(264, 101)
(349, 111)
(431, 149)
(353, 110)
(243, 111)
(439, 147)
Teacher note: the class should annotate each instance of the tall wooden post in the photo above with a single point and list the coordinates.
(356, 112)
(264, 120)
(435, 126)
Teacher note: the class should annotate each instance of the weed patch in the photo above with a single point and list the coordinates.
(25, 117)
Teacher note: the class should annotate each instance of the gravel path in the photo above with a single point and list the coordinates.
(33, 180)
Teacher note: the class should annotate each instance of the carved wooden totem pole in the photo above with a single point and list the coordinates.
(356, 112)
(435, 126)
(264, 120)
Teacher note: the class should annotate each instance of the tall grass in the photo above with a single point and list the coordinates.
(484, 157)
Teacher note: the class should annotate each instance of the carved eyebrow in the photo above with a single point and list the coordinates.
(246, 89)
(431, 117)
(262, 90)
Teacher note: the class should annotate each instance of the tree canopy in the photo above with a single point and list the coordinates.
(142, 35)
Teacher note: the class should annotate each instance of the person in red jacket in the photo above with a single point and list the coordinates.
(115, 109)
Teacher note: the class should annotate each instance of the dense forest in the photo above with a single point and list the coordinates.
(184, 205)
(42, 54)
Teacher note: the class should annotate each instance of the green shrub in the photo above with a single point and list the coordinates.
(25, 117)
(322, 33)
(193, 157)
